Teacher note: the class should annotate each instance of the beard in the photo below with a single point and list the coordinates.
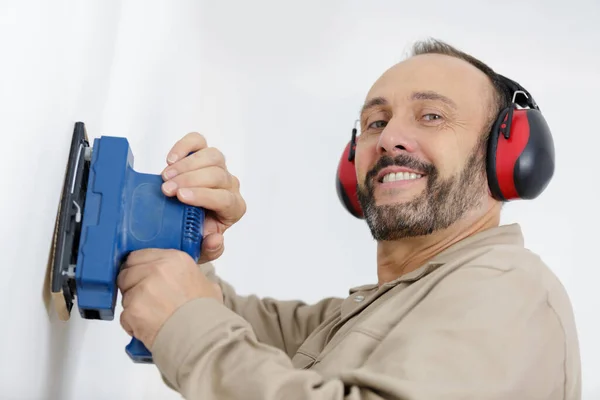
(441, 204)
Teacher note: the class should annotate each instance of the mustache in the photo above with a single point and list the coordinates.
(402, 160)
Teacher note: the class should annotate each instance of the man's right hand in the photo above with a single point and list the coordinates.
(201, 179)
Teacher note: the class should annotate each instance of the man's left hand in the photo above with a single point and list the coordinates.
(154, 284)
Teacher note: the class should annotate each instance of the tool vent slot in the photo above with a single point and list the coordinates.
(192, 224)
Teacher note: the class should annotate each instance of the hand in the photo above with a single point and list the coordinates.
(154, 284)
(202, 179)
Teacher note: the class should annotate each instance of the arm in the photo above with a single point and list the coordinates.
(481, 333)
(281, 324)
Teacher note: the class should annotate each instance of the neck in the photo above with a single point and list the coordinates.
(397, 258)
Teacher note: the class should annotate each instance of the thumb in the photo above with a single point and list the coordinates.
(212, 247)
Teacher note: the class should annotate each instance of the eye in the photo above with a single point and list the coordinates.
(432, 117)
(377, 124)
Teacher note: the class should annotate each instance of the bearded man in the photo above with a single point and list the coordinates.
(461, 309)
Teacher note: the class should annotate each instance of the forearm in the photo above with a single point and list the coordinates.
(281, 324)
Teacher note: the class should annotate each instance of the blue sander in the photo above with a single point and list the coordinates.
(106, 211)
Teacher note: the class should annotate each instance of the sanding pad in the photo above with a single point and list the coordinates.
(68, 224)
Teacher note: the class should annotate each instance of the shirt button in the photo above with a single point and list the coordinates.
(359, 298)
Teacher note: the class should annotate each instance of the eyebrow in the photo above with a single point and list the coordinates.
(427, 95)
(374, 102)
(431, 95)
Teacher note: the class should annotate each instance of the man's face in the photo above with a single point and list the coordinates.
(420, 157)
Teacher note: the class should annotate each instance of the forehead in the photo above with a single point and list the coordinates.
(451, 77)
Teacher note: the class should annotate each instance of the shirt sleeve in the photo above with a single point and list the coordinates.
(284, 324)
(481, 334)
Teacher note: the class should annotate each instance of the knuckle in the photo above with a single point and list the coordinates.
(182, 180)
(235, 181)
(149, 290)
(242, 206)
(224, 177)
(240, 210)
(125, 315)
(123, 320)
(157, 269)
(155, 266)
(195, 136)
(121, 278)
(215, 155)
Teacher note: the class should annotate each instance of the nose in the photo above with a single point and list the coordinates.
(396, 138)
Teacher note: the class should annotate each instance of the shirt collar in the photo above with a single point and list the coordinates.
(510, 234)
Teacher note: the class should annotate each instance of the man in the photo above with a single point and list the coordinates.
(461, 310)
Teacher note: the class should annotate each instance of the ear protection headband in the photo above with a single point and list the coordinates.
(520, 154)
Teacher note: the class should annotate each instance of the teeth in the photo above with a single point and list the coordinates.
(400, 176)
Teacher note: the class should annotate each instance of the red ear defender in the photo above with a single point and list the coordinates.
(520, 159)
(346, 183)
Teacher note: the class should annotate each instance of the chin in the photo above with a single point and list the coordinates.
(389, 197)
(391, 201)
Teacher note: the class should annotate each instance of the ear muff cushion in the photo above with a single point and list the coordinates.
(346, 185)
(492, 176)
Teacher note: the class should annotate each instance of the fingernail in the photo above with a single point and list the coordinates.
(170, 173)
(186, 193)
(170, 186)
(172, 158)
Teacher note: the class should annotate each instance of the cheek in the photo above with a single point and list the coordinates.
(445, 164)
(364, 160)
(447, 157)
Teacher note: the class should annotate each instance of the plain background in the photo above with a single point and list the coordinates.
(276, 85)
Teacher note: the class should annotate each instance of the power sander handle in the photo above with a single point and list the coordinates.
(194, 220)
(137, 351)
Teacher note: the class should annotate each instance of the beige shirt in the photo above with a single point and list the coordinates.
(485, 319)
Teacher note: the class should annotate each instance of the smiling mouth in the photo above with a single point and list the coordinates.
(399, 176)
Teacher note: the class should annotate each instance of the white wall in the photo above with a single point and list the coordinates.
(276, 86)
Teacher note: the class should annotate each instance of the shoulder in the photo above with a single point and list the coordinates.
(523, 267)
(513, 277)
(513, 273)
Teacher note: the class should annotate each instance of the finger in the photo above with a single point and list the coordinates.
(131, 294)
(191, 142)
(125, 323)
(211, 177)
(210, 225)
(145, 256)
(226, 204)
(206, 157)
(212, 248)
(131, 277)
(235, 182)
